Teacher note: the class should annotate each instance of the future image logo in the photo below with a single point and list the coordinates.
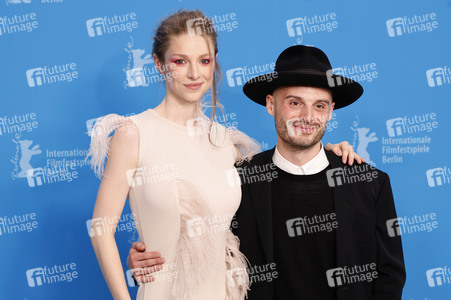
(52, 174)
(18, 223)
(236, 276)
(404, 136)
(235, 77)
(110, 25)
(141, 69)
(35, 77)
(49, 275)
(35, 277)
(438, 176)
(18, 23)
(251, 175)
(207, 25)
(438, 276)
(360, 73)
(310, 225)
(135, 73)
(95, 27)
(196, 227)
(104, 125)
(35, 177)
(438, 76)
(198, 26)
(168, 272)
(413, 224)
(393, 227)
(298, 27)
(198, 126)
(395, 27)
(239, 76)
(332, 79)
(17, 124)
(435, 177)
(262, 273)
(100, 226)
(349, 175)
(333, 123)
(411, 124)
(50, 75)
(395, 127)
(209, 225)
(147, 175)
(349, 275)
(410, 25)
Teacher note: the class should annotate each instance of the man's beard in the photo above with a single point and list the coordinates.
(295, 137)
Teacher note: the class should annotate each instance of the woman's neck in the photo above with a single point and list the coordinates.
(178, 111)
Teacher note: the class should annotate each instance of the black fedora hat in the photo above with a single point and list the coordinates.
(304, 66)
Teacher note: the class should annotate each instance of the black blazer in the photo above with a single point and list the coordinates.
(362, 210)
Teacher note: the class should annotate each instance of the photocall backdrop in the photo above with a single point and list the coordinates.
(65, 63)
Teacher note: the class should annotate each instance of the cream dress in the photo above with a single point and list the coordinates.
(183, 195)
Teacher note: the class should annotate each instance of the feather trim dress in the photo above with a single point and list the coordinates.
(184, 195)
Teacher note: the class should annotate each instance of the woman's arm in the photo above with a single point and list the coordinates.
(111, 197)
(342, 149)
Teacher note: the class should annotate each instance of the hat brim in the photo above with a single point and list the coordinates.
(345, 90)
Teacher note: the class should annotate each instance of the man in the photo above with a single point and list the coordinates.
(312, 227)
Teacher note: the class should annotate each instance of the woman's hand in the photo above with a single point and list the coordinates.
(346, 151)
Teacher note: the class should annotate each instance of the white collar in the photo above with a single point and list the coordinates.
(315, 165)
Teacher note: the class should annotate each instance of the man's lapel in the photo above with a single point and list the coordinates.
(344, 198)
(261, 197)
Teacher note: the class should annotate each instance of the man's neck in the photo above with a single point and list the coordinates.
(296, 156)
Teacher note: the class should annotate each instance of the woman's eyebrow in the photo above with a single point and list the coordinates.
(185, 56)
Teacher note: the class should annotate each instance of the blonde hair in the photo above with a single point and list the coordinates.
(176, 25)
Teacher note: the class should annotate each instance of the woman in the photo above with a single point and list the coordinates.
(175, 166)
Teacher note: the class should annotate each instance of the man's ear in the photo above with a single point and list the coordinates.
(157, 64)
(270, 104)
(331, 111)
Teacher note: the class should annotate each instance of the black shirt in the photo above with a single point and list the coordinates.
(304, 225)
